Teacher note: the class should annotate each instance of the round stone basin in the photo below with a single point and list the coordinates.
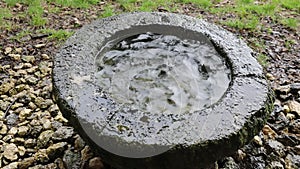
(160, 90)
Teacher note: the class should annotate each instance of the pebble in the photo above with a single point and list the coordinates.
(10, 152)
(16, 57)
(25, 113)
(30, 143)
(258, 140)
(276, 147)
(21, 150)
(96, 163)
(286, 109)
(7, 50)
(41, 156)
(30, 59)
(44, 138)
(39, 45)
(294, 107)
(71, 159)
(18, 50)
(13, 131)
(13, 165)
(275, 165)
(3, 129)
(27, 162)
(23, 130)
(54, 150)
(269, 132)
(63, 133)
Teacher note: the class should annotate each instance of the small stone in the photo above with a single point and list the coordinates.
(71, 159)
(30, 143)
(294, 107)
(6, 86)
(18, 140)
(23, 130)
(32, 105)
(39, 45)
(13, 131)
(86, 154)
(290, 116)
(27, 162)
(270, 76)
(31, 80)
(45, 57)
(286, 109)
(269, 132)
(96, 163)
(16, 105)
(258, 140)
(297, 149)
(55, 150)
(276, 147)
(25, 113)
(47, 124)
(275, 165)
(41, 156)
(241, 155)
(59, 117)
(15, 57)
(60, 164)
(3, 129)
(32, 69)
(292, 161)
(30, 59)
(44, 138)
(63, 133)
(18, 50)
(10, 152)
(13, 165)
(22, 150)
(7, 50)
(78, 143)
(7, 138)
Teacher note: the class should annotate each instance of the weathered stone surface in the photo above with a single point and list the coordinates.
(10, 152)
(188, 140)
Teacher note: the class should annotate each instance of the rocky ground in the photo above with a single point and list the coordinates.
(34, 134)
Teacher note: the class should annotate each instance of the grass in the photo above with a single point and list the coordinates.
(242, 14)
(59, 35)
(263, 59)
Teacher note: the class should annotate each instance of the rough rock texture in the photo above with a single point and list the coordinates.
(191, 140)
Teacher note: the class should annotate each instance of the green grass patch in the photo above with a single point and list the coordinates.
(5, 14)
(146, 5)
(243, 23)
(199, 3)
(59, 35)
(263, 59)
(75, 3)
(108, 11)
(292, 23)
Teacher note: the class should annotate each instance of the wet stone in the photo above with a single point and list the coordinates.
(146, 79)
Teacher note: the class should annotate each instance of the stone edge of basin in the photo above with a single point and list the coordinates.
(248, 100)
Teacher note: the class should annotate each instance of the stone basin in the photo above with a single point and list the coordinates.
(131, 135)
